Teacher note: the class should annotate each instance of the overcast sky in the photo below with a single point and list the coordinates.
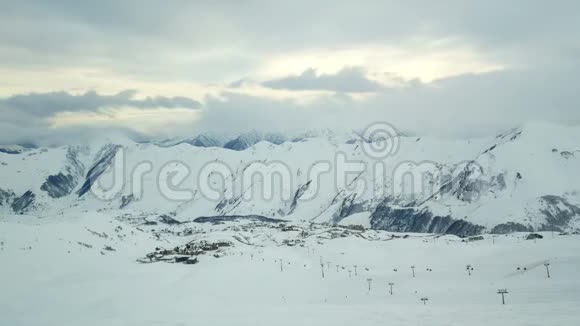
(153, 68)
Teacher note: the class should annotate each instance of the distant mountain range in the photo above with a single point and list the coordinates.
(525, 179)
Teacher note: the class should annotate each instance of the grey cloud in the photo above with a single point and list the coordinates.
(24, 117)
(376, 20)
(46, 104)
(237, 83)
(347, 80)
(156, 40)
(122, 33)
(459, 107)
(36, 133)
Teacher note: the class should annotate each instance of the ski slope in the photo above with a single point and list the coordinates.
(55, 271)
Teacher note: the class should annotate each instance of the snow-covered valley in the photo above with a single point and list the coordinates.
(93, 269)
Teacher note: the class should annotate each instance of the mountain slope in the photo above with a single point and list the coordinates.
(524, 179)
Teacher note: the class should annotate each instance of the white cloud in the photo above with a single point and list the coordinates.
(457, 67)
(425, 60)
(152, 122)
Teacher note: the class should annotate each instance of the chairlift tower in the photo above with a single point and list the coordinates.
(469, 269)
(547, 269)
(503, 292)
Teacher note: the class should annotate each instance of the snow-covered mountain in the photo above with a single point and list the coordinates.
(13, 149)
(522, 180)
(107, 231)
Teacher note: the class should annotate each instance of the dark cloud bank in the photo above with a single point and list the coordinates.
(24, 116)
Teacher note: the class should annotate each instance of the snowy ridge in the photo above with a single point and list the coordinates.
(524, 179)
(12, 149)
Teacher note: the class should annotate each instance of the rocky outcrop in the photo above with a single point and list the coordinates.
(468, 185)
(559, 213)
(22, 203)
(349, 207)
(104, 160)
(203, 140)
(59, 185)
(126, 200)
(13, 149)
(6, 197)
(63, 183)
(249, 139)
(166, 219)
(297, 195)
(510, 227)
(231, 218)
(407, 219)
